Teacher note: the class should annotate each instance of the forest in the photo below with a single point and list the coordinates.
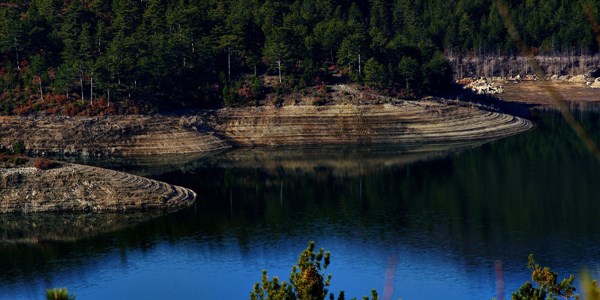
(92, 56)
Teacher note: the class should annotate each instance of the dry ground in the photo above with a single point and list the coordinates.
(538, 92)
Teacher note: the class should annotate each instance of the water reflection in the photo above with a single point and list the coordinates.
(446, 218)
(66, 227)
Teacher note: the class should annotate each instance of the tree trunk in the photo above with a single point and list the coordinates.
(279, 68)
(91, 90)
(17, 55)
(41, 91)
(81, 84)
(229, 64)
(331, 54)
(359, 67)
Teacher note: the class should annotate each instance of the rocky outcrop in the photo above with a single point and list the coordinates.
(405, 122)
(578, 79)
(595, 84)
(484, 87)
(115, 135)
(80, 188)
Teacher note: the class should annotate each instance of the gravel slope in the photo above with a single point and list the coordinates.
(73, 187)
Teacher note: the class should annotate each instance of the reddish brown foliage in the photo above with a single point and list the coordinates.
(43, 163)
(246, 92)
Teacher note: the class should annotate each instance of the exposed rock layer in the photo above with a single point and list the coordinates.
(82, 188)
(403, 123)
(115, 135)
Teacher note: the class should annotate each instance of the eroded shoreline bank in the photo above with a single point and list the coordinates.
(82, 188)
(400, 122)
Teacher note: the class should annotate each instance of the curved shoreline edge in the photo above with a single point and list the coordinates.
(124, 136)
(406, 122)
(80, 188)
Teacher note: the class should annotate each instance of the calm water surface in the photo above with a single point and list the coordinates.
(435, 222)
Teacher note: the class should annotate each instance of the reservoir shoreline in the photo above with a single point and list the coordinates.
(91, 189)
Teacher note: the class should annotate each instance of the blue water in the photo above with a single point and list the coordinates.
(417, 226)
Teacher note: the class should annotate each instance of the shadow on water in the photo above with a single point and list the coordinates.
(467, 207)
(66, 227)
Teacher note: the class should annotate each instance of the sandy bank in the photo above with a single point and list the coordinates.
(405, 122)
(113, 136)
(538, 93)
(80, 188)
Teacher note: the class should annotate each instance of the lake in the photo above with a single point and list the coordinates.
(423, 223)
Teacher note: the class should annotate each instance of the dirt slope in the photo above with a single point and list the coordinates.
(405, 122)
(115, 135)
(73, 187)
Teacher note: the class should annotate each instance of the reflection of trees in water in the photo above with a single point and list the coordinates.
(525, 190)
(33, 245)
(504, 199)
(46, 227)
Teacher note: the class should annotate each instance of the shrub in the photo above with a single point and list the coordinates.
(58, 294)
(547, 285)
(43, 163)
(375, 73)
(307, 280)
(19, 147)
(17, 161)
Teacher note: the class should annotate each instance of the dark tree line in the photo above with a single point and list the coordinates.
(202, 51)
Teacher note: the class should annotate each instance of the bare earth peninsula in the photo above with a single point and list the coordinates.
(346, 119)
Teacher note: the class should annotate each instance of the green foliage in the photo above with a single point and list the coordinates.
(58, 294)
(17, 161)
(271, 289)
(231, 94)
(175, 50)
(307, 280)
(19, 148)
(436, 74)
(375, 74)
(162, 51)
(547, 285)
(589, 287)
(307, 276)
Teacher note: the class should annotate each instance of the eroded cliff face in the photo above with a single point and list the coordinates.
(79, 188)
(405, 122)
(115, 135)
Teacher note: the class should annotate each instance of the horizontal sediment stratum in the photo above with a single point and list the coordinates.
(79, 188)
(406, 122)
(113, 136)
(403, 122)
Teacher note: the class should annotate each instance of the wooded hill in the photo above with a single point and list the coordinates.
(79, 54)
